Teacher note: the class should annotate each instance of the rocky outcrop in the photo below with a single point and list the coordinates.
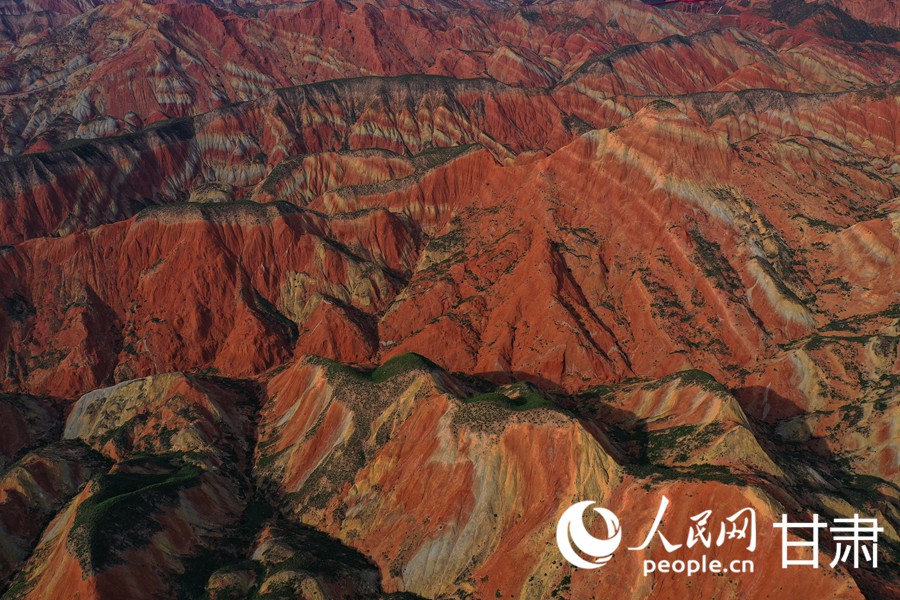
(33, 490)
(68, 189)
(128, 299)
(179, 482)
(327, 480)
(26, 422)
(112, 69)
(395, 264)
(407, 463)
(647, 252)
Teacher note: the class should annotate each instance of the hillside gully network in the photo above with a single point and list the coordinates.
(855, 540)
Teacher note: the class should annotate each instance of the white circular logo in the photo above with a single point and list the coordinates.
(571, 525)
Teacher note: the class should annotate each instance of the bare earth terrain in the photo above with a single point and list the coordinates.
(340, 299)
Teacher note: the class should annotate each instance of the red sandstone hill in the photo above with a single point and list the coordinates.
(352, 300)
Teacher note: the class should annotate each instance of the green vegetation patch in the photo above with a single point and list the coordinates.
(684, 439)
(118, 515)
(400, 365)
(395, 367)
(817, 341)
(711, 258)
(856, 322)
(527, 401)
(313, 554)
(694, 377)
(367, 403)
(698, 473)
(334, 368)
(659, 105)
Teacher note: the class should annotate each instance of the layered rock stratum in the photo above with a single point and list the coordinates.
(339, 299)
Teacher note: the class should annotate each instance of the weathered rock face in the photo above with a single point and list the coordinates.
(635, 246)
(170, 413)
(450, 489)
(128, 63)
(68, 190)
(461, 248)
(178, 484)
(33, 490)
(141, 86)
(26, 422)
(646, 253)
(405, 471)
(171, 306)
(326, 481)
(299, 562)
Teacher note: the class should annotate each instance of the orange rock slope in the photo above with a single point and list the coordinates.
(353, 300)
